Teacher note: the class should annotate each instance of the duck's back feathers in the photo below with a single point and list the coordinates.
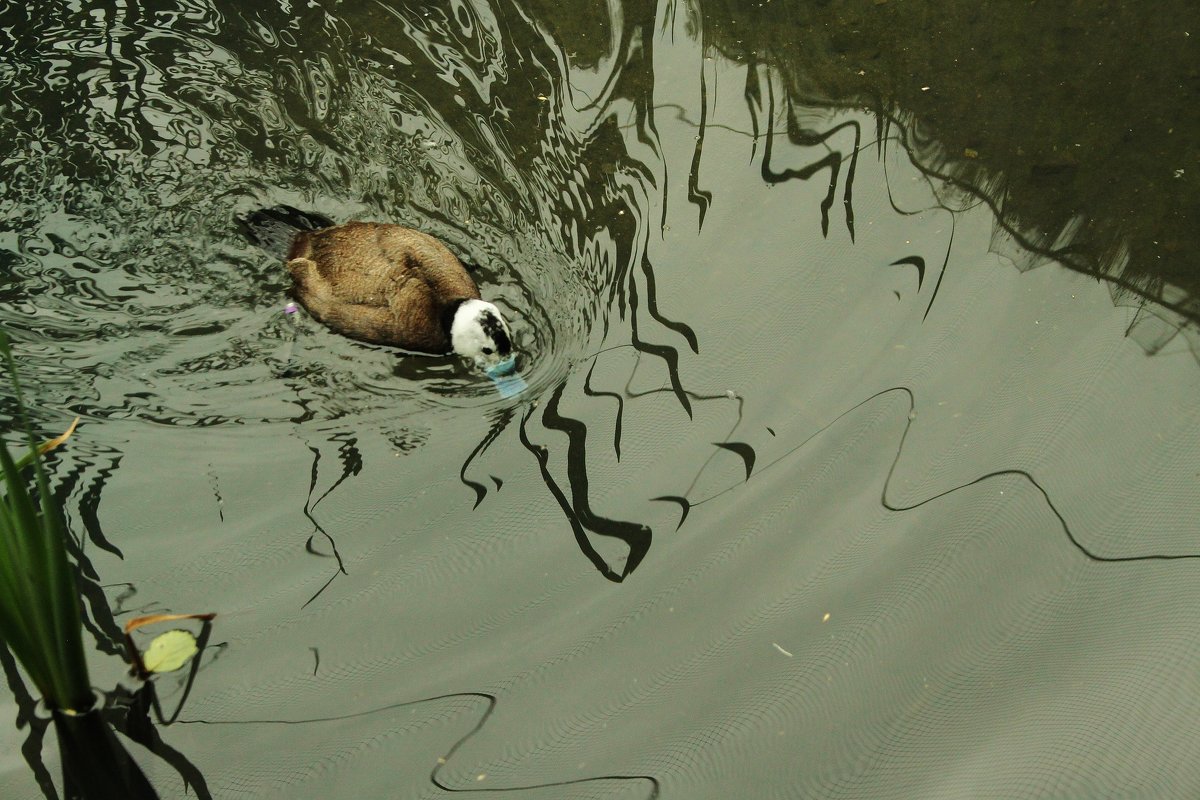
(381, 283)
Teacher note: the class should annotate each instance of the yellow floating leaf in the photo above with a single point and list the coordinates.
(151, 619)
(169, 651)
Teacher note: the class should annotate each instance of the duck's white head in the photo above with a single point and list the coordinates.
(479, 333)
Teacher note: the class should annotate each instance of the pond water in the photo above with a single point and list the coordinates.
(818, 488)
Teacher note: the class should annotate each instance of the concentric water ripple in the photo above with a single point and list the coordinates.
(120, 243)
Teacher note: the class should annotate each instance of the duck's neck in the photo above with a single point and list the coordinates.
(448, 313)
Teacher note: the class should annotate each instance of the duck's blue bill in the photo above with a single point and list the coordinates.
(509, 382)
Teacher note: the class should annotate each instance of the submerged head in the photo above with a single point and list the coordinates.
(479, 333)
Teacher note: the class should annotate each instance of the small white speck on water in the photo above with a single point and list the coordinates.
(780, 649)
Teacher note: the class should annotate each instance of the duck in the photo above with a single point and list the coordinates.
(385, 283)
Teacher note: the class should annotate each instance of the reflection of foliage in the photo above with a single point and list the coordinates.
(584, 32)
(1057, 115)
(1073, 130)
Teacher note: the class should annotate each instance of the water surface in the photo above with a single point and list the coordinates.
(814, 492)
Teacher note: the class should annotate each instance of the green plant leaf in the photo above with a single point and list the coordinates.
(169, 651)
(39, 599)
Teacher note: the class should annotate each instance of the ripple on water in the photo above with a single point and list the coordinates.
(131, 294)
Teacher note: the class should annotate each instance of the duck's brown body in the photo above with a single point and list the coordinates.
(380, 283)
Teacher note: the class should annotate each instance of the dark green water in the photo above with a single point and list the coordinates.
(819, 489)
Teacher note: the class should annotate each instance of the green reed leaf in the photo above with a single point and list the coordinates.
(39, 602)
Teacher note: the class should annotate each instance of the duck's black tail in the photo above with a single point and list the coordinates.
(273, 228)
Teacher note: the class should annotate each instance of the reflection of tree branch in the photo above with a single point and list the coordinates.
(753, 96)
(542, 455)
(590, 392)
(351, 460)
(681, 116)
(700, 198)
(945, 263)
(89, 504)
(578, 511)
(668, 354)
(498, 425)
(128, 74)
(832, 161)
(682, 328)
(635, 535)
(713, 454)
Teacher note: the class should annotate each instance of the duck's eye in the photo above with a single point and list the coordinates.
(487, 351)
